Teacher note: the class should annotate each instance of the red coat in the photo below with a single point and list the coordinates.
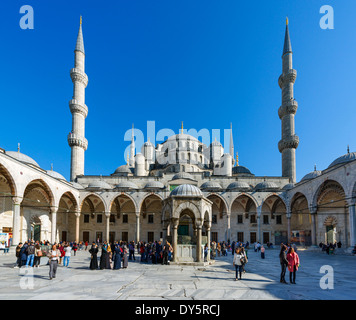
(293, 260)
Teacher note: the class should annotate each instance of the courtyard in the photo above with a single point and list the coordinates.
(176, 282)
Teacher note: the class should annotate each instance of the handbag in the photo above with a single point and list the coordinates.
(39, 253)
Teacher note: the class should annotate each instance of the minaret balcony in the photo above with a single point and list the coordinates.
(290, 107)
(288, 77)
(291, 142)
(78, 75)
(77, 107)
(77, 140)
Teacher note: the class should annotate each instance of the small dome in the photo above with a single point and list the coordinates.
(239, 185)
(351, 156)
(22, 157)
(211, 185)
(56, 175)
(77, 185)
(99, 184)
(154, 185)
(122, 169)
(288, 186)
(240, 170)
(183, 175)
(311, 175)
(186, 190)
(126, 185)
(266, 185)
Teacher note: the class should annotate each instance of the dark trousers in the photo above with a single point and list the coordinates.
(37, 261)
(53, 269)
(283, 272)
(292, 275)
(165, 258)
(238, 270)
(132, 255)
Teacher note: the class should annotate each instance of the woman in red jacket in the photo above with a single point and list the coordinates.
(293, 264)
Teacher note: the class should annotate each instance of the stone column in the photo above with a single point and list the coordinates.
(137, 227)
(228, 216)
(209, 240)
(289, 231)
(174, 225)
(107, 229)
(313, 211)
(259, 211)
(16, 221)
(53, 224)
(352, 219)
(199, 238)
(77, 222)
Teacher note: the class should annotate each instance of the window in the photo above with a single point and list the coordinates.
(265, 219)
(150, 236)
(240, 236)
(239, 218)
(253, 218)
(125, 218)
(279, 219)
(214, 219)
(112, 218)
(125, 236)
(265, 237)
(86, 218)
(150, 218)
(99, 218)
(214, 236)
(253, 237)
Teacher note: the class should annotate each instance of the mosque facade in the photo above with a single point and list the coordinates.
(180, 189)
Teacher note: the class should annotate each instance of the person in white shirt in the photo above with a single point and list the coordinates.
(237, 262)
(54, 256)
(67, 255)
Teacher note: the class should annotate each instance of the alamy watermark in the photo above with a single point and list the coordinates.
(327, 280)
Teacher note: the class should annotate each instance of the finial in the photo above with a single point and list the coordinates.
(348, 149)
(314, 167)
(51, 166)
(237, 160)
(287, 21)
(128, 159)
(182, 127)
(81, 20)
(18, 147)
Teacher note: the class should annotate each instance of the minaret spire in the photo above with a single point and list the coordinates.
(289, 142)
(78, 108)
(231, 142)
(132, 148)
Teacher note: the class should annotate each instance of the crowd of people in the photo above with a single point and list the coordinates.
(329, 248)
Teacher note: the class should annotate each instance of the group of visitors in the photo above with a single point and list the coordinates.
(329, 248)
(288, 259)
(156, 252)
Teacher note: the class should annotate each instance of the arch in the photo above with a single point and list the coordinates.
(92, 204)
(186, 205)
(123, 194)
(69, 195)
(212, 194)
(147, 195)
(120, 204)
(42, 188)
(88, 195)
(325, 188)
(254, 201)
(274, 203)
(296, 200)
(10, 180)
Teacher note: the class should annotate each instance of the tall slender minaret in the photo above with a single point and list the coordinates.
(76, 138)
(289, 142)
(132, 149)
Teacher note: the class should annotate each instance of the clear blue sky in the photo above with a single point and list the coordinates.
(204, 62)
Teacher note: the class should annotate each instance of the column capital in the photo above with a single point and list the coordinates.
(107, 214)
(53, 209)
(16, 200)
(313, 209)
(77, 214)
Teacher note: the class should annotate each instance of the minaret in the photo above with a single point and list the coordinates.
(289, 142)
(76, 138)
(231, 144)
(132, 149)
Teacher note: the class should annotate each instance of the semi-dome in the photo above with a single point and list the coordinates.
(126, 185)
(56, 175)
(240, 170)
(266, 185)
(351, 156)
(186, 190)
(154, 185)
(99, 184)
(183, 175)
(311, 175)
(239, 185)
(22, 157)
(211, 185)
(123, 169)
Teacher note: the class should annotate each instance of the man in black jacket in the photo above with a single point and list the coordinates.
(284, 262)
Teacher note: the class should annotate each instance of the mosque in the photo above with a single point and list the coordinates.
(181, 190)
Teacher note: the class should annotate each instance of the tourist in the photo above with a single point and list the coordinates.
(132, 250)
(61, 250)
(30, 254)
(18, 255)
(293, 264)
(38, 255)
(54, 255)
(237, 263)
(244, 259)
(284, 262)
(94, 256)
(86, 245)
(262, 252)
(67, 254)
(165, 253)
(205, 252)
(142, 251)
(118, 255)
(124, 256)
(75, 248)
(218, 248)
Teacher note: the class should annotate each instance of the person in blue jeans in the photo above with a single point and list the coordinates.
(30, 254)
(67, 255)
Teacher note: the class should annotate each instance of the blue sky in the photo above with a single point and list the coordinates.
(204, 62)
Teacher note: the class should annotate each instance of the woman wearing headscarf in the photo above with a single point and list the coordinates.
(104, 258)
(94, 256)
(118, 255)
(125, 261)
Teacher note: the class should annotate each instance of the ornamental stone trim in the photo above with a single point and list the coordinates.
(77, 140)
(290, 108)
(78, 75)
(288, 143)
(76, 107)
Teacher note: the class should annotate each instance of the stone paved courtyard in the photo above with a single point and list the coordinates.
(154, 282)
